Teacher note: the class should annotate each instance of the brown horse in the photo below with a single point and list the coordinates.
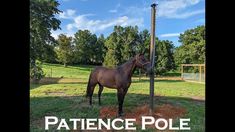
(118, 78)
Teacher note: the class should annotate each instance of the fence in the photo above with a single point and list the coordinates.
(193, 72)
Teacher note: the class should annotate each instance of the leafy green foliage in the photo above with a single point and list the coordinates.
(50, 55)
(113, 51)
(99, 50)
(122, 44)
(64, 49)
(193, 47)
(164, 56)
(42, 21)
(85, 43)
(36, 72)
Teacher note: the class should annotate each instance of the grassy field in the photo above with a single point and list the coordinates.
(64, 97)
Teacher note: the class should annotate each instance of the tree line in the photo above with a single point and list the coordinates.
(122, 44)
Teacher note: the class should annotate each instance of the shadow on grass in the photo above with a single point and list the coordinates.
(147, 80)
(72, 105)
(46, 81)
(77, 106)
(82, 67)
(77, 67)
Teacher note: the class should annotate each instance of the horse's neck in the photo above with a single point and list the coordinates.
(129, 67)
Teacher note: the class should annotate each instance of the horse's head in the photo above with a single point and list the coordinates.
(142, 62)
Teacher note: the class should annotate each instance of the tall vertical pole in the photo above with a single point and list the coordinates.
(152, 56)
(200, 73)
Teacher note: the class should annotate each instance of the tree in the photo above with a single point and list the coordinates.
(64, 49)
(85, 43)
(130, 39)
(144, 44)
(36, 72)
(42, 21)
(195, 35)
(99, 50)
(164, 56)
(50, 55)
(122, 44)
(192, 49)
(111, 44)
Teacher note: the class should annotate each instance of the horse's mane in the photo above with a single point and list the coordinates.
(127, 62)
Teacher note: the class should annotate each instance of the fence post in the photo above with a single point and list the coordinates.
(51, 72)
(200, 73)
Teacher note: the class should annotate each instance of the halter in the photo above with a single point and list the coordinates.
(142, 64)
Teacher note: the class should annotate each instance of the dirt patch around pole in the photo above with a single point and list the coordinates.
(166, 111)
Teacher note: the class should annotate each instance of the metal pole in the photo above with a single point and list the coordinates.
(152, 56)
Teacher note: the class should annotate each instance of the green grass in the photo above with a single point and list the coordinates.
(58, 70)
(66, 100)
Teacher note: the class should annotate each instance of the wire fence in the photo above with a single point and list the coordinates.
(200, 77)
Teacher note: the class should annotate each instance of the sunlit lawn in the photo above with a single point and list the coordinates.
(65, 99)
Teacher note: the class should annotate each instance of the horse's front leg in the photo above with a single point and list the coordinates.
(121, 95)
(99, 92)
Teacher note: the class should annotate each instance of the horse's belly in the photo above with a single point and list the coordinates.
(107, 81)
(109, 85)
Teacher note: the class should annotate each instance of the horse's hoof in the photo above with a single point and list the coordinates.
(120, 114)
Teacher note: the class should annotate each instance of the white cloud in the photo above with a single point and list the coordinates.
(113, 11)
(56, 33)
(136, 11)
(188, 14)
(68, 14)
(169, 35)
(71, 12)
(176, 9)
(69, 26)
(83, 22)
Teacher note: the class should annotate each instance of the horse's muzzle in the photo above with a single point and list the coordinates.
(147, 67)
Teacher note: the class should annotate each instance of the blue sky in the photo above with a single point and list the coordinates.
(100, 16)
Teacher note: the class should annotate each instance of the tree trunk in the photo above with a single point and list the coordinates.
(65, 65)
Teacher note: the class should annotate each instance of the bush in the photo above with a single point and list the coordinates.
(36, 72)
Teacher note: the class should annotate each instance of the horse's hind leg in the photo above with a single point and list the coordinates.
(99, 92)
(91, 93)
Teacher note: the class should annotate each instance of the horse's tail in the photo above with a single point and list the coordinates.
(88, 86)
